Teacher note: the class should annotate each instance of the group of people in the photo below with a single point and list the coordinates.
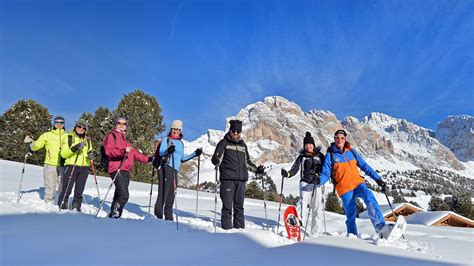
(69, 156)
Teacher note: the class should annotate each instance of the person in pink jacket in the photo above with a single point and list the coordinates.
(117, 148)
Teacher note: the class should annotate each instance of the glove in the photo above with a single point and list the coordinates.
(150, 159)
(198, 151)
(77, 147)
(382, 184)
(28, 139)
(170, 149)
(91, 155)
(260, 170)
(284, 173)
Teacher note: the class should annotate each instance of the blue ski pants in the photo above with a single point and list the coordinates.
(373, 209)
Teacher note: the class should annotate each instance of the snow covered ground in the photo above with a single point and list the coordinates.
(34, 233)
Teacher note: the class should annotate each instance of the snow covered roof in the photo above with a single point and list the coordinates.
(430, 218)
(386, 210)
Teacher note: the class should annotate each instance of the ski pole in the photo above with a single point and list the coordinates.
(215, 200)
(309, 211)
(279, 205)
(175, 193)
(151, 188)
(95, 178)
(22, 174)
(68, 183)
(153, 173)
(111, 184)
(324, 210)
(393, 212)
(197, 186)
(264, 202)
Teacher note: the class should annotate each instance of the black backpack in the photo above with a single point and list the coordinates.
(104, 161)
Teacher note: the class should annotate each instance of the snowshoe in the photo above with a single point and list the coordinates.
(392, 232)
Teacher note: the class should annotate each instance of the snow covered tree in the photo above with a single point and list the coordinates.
(437, 204)
(360, 206)
(22, 117)
(333, 204)
(143, 113)
(254, 190)
(99, 125)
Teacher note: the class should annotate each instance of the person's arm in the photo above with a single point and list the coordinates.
(40, 143)
(250, 165)
(186, 157)
(111, 149)
(327, 169)
(139, 157)
(365, 167)
(296, 166)
(219, 152)
(66, 151)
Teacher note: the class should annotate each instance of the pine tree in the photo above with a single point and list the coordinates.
(100, 124)
(25, 116)
(145, 121)
(333, 204)
(254, 190)
(437, 204)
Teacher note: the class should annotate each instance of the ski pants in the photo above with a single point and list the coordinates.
(121, 194)
(73, 177)
(373, 209)
(166, 189)
(232, 195)
(52, 181)
(315, 203)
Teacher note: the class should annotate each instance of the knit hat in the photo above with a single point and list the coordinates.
(58, 118)
(341, 131)
(82, 123)
(177, 124)
(235, 125)
(308, 139)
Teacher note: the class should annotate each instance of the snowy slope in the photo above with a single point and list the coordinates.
(33, 233)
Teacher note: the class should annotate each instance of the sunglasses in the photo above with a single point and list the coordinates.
(59, 122)
(341, 138)
(235, 132)
(122, 124)
(82, 127)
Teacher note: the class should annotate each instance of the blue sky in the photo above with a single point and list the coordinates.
(205, 60)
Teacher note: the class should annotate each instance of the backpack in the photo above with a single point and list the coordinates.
(104, 161)
(333, 176)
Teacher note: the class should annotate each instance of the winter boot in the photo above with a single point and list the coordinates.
(65, 205)
(385, 231)
(76, 205)
(115, 212)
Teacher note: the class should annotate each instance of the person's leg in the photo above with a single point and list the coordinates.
(317, 212)
(80, 184)
(227, 191)
(305, 198)
(161, 190)
(348, 200)
(60, 171)
(373, 208)
(169, 192)
(239, 195)
(68, 183)
(50, 180)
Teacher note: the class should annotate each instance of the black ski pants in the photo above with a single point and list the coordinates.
(232, 196)
(166, 189)
(74, 176)
(121, 194)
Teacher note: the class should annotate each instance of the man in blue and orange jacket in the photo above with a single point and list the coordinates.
(343, 164)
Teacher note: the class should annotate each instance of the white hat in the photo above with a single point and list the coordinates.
(177, 124)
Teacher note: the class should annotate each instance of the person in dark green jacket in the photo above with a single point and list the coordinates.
(77, 151)
(53, 169)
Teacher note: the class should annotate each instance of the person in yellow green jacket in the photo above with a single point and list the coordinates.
(77, 151)
(53, 169)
